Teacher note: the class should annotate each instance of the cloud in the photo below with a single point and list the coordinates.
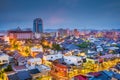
(57, 17)
(55, 20)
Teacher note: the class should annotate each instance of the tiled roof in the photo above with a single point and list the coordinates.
(24, 75)
(13, 77)
(34, 71)
(19, 67)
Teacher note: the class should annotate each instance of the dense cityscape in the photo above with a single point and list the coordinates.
(32, 54)
(59, 39)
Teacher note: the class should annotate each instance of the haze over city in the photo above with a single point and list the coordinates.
(81, 14)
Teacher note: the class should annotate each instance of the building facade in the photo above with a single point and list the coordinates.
(38, 25)
(20, 34)
(4, 59)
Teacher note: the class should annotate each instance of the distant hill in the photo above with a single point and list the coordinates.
(50, 30)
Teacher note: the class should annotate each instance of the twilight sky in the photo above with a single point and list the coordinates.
(82, 14)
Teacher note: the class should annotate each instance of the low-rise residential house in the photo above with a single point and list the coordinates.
(108, 56)
(99, 48)
(92, 39)
(102, 75)
(52, 57)
(19, 68)
(39, 71)
(116, 76)
(21, 75)
(35, 73)
(92, 54)
(19, 59)
(43, 68)
(93, 61)
(4, 58)
(59, 70)
(10, 75)
(113, 48)
(91, 51)
(35, 50)
(31, 63)
(80, 77)
(40, 55)
(116, 68)
(71, 47)
(73, 60)
(77, 52)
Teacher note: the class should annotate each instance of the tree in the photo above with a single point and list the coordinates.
(9, 68)
(83, 45)
(1, 75)
(26, 51)
(56, 47)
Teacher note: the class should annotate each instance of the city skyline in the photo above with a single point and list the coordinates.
(59, 39)
(81, 14)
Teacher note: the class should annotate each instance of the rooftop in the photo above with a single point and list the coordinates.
(34, 71)
(19, 67)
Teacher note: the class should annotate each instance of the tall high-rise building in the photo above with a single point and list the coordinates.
(38, 25)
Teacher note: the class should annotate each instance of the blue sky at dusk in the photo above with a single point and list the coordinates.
(81, 14)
